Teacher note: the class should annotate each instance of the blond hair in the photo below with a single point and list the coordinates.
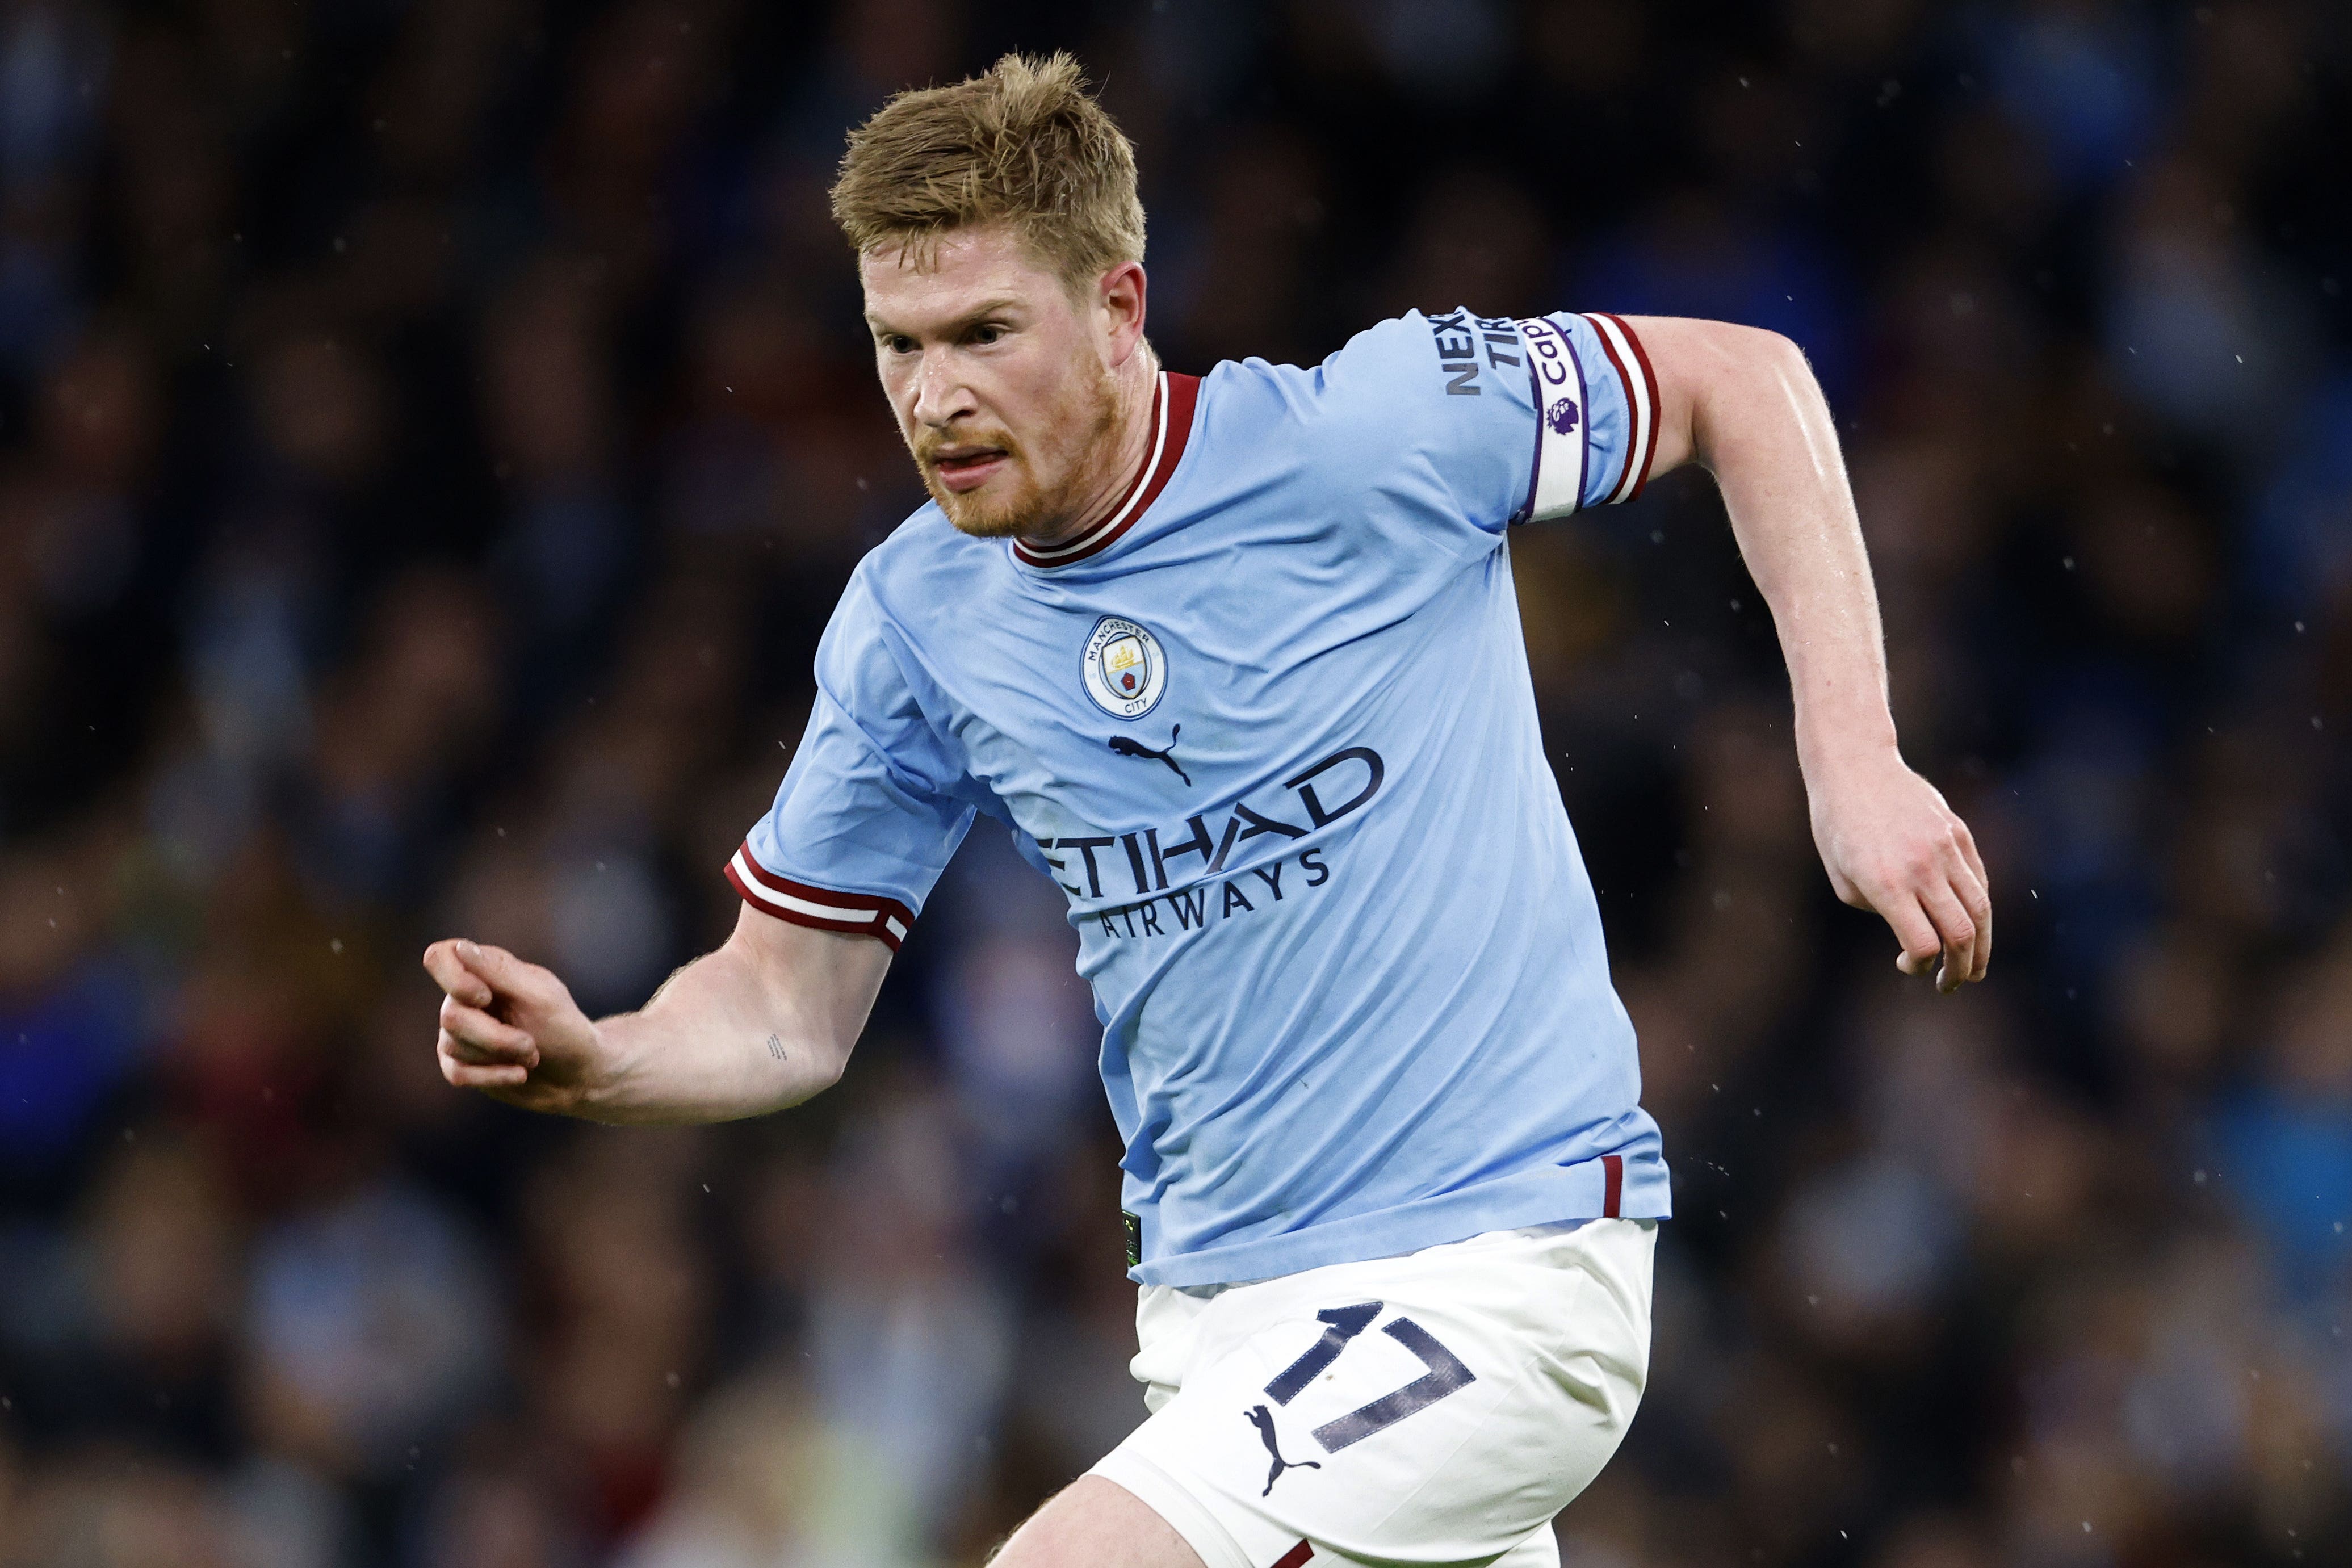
(1024, 143)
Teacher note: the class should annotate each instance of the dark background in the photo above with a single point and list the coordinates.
(433, 433)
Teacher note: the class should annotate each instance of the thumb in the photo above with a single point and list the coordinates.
(501, 970)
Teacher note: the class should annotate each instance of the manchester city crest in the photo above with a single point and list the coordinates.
(1125, 670)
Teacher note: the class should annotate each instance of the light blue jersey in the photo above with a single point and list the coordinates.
(1269, 726)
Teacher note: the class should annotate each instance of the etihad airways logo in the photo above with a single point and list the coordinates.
(1343, 783)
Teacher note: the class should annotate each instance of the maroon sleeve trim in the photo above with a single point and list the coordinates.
(823, 909)
(1650, 379)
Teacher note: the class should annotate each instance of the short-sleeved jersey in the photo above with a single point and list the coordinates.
(1269, 725)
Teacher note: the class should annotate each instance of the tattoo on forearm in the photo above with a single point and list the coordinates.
(775, 1047)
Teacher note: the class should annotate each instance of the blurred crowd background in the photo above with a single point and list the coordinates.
(433, 434)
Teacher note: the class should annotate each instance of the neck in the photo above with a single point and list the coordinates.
(1121, 454)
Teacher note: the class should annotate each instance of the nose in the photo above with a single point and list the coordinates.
(940, 394)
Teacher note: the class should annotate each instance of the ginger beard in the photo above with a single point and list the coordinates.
(1046, 478)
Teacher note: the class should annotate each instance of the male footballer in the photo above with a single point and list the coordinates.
(1237, 659)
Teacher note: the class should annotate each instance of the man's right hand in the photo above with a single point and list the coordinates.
(762, 1021)
(511, 1029)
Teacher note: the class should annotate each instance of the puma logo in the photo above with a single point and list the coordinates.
(1127, 746)
(1262, 1418)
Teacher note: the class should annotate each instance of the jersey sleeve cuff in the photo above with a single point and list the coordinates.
(826, 908)
(1640, 384)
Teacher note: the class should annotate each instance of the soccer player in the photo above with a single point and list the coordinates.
(1237, 660)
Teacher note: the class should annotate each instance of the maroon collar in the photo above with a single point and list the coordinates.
(1173, 399)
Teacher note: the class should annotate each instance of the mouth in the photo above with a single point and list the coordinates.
(963, 468)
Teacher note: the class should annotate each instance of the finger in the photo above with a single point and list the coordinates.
(467, 1050)
(477, 1075)
(1968, 842)
(484, 1038)
(463, 1075)
(1957, 932)
(503, 970)
(1949, 894)
(443, 961)
(1977, 897)
(452, 1050)
(484, 1028)
(1964, 881)
(1979, 913)
(1977, 904)
(1914, 930)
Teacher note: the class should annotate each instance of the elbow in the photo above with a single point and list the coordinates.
(829, 1072)
(1788, 372)
(809, 1073)
(1731, 355)
(1762, 349)
(1750, 382)
(1788, 357)
(827, 1061)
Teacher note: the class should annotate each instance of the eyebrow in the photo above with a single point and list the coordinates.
(977, 314)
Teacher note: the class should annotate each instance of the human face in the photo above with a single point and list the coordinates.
(1007, 390)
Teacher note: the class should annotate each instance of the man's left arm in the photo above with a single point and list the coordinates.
(1742, 404)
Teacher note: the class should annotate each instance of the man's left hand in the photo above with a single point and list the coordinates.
(1890, 843)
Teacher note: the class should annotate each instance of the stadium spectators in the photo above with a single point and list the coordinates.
(432, 436)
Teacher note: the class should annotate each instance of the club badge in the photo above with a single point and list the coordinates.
(1125, 670)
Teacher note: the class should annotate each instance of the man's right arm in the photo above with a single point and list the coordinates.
(763, 1022)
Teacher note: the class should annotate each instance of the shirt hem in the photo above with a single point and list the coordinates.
(1537, 1197)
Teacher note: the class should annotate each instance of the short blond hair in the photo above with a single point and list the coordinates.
(1024, 143)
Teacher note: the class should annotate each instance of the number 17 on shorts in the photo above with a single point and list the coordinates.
(1445, 1375)
(1444, 1419)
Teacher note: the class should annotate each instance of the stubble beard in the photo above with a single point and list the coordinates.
(1014, 502)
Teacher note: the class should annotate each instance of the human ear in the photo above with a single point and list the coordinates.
(1119, 296)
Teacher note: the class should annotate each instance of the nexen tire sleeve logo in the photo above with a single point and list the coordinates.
(1125, 668)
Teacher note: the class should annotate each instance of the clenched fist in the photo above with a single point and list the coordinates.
(511, 1029)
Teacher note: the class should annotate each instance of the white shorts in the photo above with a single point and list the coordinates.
(1434, 1408)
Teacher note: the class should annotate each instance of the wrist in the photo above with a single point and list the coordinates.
(604, 1079)
(1865, 740)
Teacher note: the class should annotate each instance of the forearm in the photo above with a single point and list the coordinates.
(1763, 429)
(1744, 403)
(712, 1045)
(763, 1023)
